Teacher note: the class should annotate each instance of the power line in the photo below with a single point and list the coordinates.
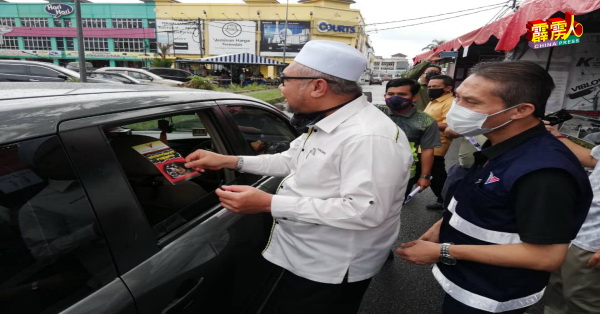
(448, 18)
(424, 17)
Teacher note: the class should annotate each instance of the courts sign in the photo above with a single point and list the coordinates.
(324, 27)
(554, 32)
(58, 9)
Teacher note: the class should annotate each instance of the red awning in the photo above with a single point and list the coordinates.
(509, 29)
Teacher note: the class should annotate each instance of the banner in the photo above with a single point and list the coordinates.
(227, 37)
(583, 88)
(112, 55)
(31, 53)
(274, 35)
(182, 34)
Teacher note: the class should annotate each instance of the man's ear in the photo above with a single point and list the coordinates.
(319, 88)
(523, 111)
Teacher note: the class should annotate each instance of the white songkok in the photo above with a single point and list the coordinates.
(333, 58)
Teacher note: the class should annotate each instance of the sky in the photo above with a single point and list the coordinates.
(406, 40)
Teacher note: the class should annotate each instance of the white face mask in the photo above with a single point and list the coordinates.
(470, 123)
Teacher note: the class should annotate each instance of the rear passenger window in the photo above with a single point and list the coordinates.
(13, 69)
(53, 253)
(264, 132)
(167, 192)
(40, 71)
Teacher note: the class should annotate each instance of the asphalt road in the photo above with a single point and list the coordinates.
(400, 287)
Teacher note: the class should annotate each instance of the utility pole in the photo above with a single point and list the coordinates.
(200, 38)
(174, 51)
(285, 29)
(80, 46)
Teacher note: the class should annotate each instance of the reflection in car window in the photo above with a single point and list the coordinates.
(53, 252)
(264, 132)
(40, 71)
(166, 205)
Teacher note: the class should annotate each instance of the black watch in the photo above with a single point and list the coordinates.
(426, 176)
(445, 256)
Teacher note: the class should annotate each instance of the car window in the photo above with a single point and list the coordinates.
(13, 69)
(41, 71)
(139, 75)
(169, 193)
(53, 253)
(265, 132)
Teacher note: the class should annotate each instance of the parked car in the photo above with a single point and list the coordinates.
(75, 66)
(115, 77)
(375, 80)
(140, 74)
(172, 74)
(90, 225)
(35, 71)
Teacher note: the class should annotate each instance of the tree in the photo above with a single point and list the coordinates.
(163, 51)
(434, 44)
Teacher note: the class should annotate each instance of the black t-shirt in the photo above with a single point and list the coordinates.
(545, 201)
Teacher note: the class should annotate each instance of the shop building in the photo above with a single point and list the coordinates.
(119, 34)
(115, 34)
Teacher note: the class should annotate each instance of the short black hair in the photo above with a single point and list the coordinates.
(448, 81)
(434, 66)
(414, 86)
(518, 82)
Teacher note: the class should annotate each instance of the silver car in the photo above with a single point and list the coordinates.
(99, 215)
(141, 75)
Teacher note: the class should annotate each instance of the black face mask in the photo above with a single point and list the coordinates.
(301, 121)
(435, 92)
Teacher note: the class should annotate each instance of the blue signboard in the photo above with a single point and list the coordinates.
(58, 9)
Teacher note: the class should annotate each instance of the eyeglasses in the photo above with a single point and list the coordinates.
(282, 78)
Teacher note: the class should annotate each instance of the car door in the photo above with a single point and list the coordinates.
(13, 73)
(54, 257)
(177, 250)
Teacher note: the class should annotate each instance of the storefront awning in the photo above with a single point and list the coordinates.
(509, 29)
(236, 58)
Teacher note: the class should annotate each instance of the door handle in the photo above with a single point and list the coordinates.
(179, 304)
(32, 80)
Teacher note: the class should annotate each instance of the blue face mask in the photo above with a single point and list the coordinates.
(396, 103)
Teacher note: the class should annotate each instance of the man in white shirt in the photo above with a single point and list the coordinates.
(337, 212)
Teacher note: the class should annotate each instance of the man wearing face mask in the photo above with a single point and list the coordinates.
(420, 128)
(337, 211)
(511, 217)
(422, 73)
(439, 90)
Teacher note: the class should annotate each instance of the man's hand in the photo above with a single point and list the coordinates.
(420, 252)
(244, 199)
(553, 129)
(433, 233)
(434, 57)
(423, 183)
(594, 262)
(202, 160)
(451, 134)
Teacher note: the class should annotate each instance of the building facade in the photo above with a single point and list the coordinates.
(130, 34)
(389, 68)
(115, 34)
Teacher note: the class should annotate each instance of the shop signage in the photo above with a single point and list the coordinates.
(226, 37)
(58, 9)
(324, 27)
(554, 32)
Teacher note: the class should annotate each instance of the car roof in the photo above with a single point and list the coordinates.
(30, 111)
(47, 64)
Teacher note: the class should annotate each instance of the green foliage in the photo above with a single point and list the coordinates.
(73, 79)
(200, 82)
(434, 44)
(161, 63)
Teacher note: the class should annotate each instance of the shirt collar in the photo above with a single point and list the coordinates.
(494, 151)
(407, 114)
(329, 123)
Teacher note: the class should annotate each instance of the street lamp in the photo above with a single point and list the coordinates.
(285, 29)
